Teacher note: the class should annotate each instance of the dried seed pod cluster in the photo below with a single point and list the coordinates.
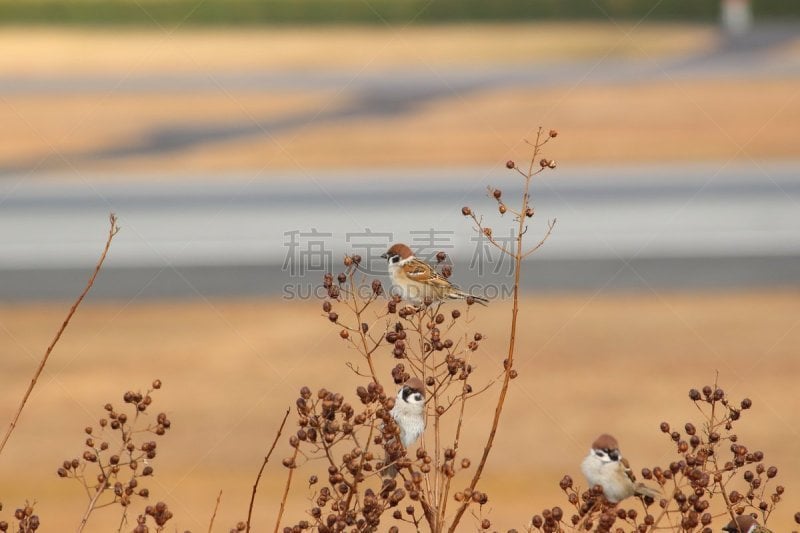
(159, 513)
(27, 521)
(352, 294)
(119, 452)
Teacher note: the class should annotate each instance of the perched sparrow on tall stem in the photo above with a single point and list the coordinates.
(409, 414)
(417, 280)
(745, 524)
(604, 466)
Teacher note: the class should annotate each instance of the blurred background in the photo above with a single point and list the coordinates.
(246, 146)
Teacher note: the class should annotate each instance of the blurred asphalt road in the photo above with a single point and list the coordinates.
(676, 227)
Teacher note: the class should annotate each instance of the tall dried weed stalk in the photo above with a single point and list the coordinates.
(24, 518)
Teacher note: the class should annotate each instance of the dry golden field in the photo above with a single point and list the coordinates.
(587, 362)
(597, 124)
(46, 51)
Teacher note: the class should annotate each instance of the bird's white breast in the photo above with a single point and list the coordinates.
(411, 419)
(609, 475)
(411, 430)
(592, 469)
(409, 290)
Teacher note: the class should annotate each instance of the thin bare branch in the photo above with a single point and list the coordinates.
(286, 490)
(261, 470)
(111, 233)
(550, 226)
(480, 229)
(214, 514)
(101, 487)
(518, 257)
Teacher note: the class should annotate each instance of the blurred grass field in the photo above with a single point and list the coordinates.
(588, 363)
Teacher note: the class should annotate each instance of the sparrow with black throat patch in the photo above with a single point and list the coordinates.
(605, 466)
(417, 280)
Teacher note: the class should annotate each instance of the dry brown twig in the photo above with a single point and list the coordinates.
(290, 464)
(90, 507)
(214, 514)
(526, 211)
(263, 466)
(39, 369)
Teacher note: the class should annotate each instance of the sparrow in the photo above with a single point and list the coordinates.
(409, 414)
(605, 466)
(417, 280)
(745, 524)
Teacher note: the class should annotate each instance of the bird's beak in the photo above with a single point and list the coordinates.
(385, 256)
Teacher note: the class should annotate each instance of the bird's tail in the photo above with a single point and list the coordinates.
(460, 295)
(389, 472)
(643, 490)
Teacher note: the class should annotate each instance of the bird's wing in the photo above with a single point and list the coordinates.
(422, 272)
(627, 469)
(640, 489)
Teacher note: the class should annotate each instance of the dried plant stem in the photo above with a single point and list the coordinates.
(430, 515)
(437, 476)
(446, 492)
(122, 519)
(101, 487)
(354, 486)
(286, 489)
(111, 232)
(519, 254)
(214, 514)
(365, 349)
(588, 516)
(728, 505)
(657, 521)
(712, 423)
(260, 472)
